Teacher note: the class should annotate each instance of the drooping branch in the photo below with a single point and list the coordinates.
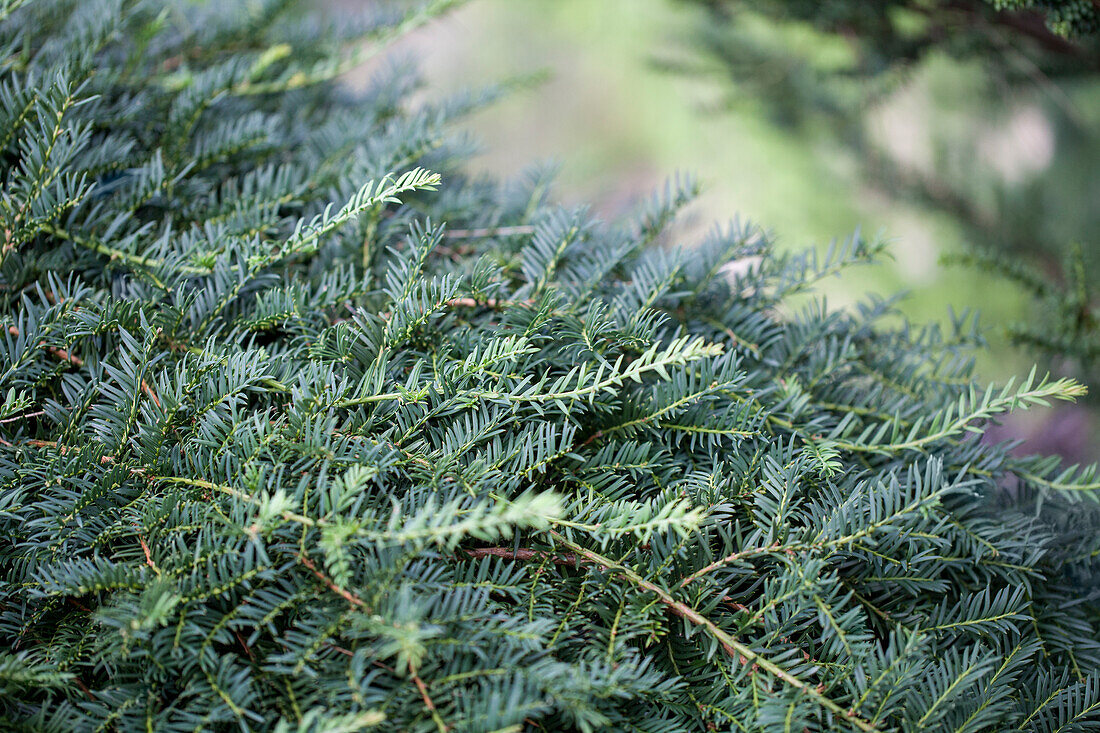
(523, 555)
(729, 644)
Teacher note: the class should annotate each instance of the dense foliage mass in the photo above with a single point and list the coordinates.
(280, 452)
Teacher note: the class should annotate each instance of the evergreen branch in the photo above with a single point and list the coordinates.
(236, 494)
(654, 417)
(732, 558)
(701, 430)
(919, 504)
(735, 649)
(522, 555)
(1070, 480)
(973, 667)
(959, 417)
(306, 235)
(581, 382)
(114, 253)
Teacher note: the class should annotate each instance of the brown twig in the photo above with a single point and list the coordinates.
(76, 361)
(594, 436)
(60, 354)
(148, 555)
(24, 416)
(244, 645)
(63, 449)
(342, 592)
(33, 443)
(471, 303)
(454, 253)
(79, 605)
(340, 649)
(428, 701)
(523, 555)
(84, 688)
(149, 391)
(490, 232)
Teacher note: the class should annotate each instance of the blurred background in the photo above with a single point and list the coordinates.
(964, 136)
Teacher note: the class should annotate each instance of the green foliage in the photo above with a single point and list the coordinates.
(278, 450)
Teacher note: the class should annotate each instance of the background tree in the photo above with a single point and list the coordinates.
(281, 451)
(1022, 177)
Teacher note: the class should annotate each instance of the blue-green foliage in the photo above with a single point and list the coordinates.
(281, 451)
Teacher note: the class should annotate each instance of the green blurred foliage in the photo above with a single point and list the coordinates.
(987, 112)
